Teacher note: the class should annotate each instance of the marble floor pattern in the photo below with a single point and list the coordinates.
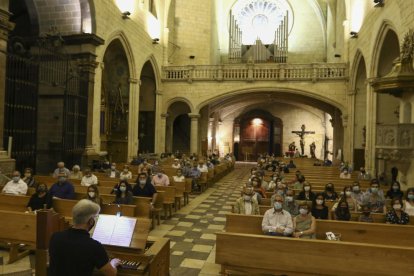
(192, 229)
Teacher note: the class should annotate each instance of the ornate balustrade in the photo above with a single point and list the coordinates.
(260, 72)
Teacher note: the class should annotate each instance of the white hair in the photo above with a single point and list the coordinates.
(84, 210)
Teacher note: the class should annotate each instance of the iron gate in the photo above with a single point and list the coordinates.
(46, 67)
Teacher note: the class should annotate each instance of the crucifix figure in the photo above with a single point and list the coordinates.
(301, 135)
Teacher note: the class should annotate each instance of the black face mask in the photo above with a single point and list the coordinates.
(92, 225)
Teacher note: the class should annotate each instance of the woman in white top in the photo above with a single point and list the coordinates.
(89, 179)
(125, 174)
(409, 202)
(179, 177)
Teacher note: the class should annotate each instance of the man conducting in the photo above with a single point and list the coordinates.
(74, 252)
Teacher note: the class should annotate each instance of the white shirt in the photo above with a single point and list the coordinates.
(125, 175)
(272, 220)
(409, 209)
(19, 188)
(203, 168)
(88, 181)
(176, 166)
(179, 178)
(248, 207)
(113, 174)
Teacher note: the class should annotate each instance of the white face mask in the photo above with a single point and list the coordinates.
(278, 205)
(348, 193)
(356, 188)
(122, 189)
(289, 198)
(307, 188)
(396, 207)
(112, 167)
(16, 179)
(319, 201)
(303, 211)
(91, 194)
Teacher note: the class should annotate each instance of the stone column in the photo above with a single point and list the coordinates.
(7, 165)
(133, 116)
(194, 145)
(163, 131)
(371, 130)
(348, 122)
(159, 143)
(210, 133)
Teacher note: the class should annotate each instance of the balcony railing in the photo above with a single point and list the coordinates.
(260, 72)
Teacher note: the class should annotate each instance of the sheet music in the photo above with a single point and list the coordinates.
(114, 230)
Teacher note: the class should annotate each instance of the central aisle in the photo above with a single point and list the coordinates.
(191, 230)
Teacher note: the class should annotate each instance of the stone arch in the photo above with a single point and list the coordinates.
(178, 127)
(179, 99)
(157, 73)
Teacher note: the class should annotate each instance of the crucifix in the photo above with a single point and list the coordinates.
(301, 135)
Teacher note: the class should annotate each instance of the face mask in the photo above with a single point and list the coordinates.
(374, 190)
(113, 168)
(122, 189)
(307, 188)
(396, 207)
(348, 193)
(278, 205)
(247, 198)
(303, 211)
(274, 178)
(355, 188)
(27, 174)
(16, 179)
(142, 182)
(159, 175)
(92, 225)
(395, 188)
(62, 179)
(411, 196)
(91, 194)
(125, 170)
(289, 198)
(319, 201)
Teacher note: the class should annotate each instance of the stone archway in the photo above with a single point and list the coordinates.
(178, 128)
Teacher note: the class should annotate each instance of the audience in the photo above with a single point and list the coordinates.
(112, 172)
(299, 183)
(329, 193)
(76, 173)
(93, 195)
(39, 199)
(395, 191)
(409, 202)
(374, 197)
(291, 165)
(290, 204)
(357, 194)
(16, 186)
(156, 168)
(257, 186)
(319, 210)
(351, 202)
(61, 169)
(62, 188)
(366, 214)
(176, 164)
(342, 211)
(160, 179)
(126, 174)
(28, 178)
(246, 204)
(179, 177)
(144, 188)
(345, 174)
(144, 165)
(306, 193)
(363, 174)
(396, 215)
(304, 223)
(89, 178)
(116, 187)
(276, 221)
(195, 174)
(202, 167)
(123, 195)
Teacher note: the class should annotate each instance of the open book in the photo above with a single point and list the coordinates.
(114, 230)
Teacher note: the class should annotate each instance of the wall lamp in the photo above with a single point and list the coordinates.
(354, 34)
(155, 40)
(126, 14)
(379, 3)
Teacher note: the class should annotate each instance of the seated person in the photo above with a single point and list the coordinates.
(276, 221)
(61, 169)
(39, 199)
(156, 168)
(126, 174)
(342, 211)
(291, 165)
(363, 174)
(76, 173)
(93, 195)
(329, 193)
(179, 177)
(116, 187)
(122, 195)
(16, 186)
(143, 165)
(290, 204)
(176, 164)
(327, 163)
(112, 172)
(347, 196)
(195, 174)
(144, 188)
(357, 194)
(374, 197)
(319, 210)
(366, 214)
(62, 188)
(304, 223)
(89, 178)
(306, 193)
(202, 167)
(299, 183)
(396, 215)
(409, 202)
(345, 174)
(257, 187)
(270, 167)
(28, 178)
(160, 179)
(395, 191)
(246, 204)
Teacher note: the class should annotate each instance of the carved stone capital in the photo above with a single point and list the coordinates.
(5, 25)
(159, 92)
(164, 115)
(133, 80)
(193, 116)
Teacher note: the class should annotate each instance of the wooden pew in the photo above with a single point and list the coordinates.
(13, 203)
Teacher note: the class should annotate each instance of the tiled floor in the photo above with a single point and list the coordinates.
(192, 229)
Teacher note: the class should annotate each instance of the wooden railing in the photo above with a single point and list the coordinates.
(252, 72)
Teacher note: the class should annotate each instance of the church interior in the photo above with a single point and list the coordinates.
(236, 84)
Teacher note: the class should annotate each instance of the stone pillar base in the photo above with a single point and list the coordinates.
(88, 155)
(7, 164)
